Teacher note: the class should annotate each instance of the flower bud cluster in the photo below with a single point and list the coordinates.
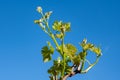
(39, 9)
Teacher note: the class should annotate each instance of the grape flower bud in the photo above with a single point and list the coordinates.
(39, 9)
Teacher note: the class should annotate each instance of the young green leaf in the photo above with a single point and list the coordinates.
(56, 68)
(96, 50)
(60, 26)
(85, 45)
(82, 54)
(68, 69)
(67, 26)
(91, 47)
(76, 59)
(50, 47)
(60, 36)
(47, 52)
(57, 25)
(70, 53)
(70, 49)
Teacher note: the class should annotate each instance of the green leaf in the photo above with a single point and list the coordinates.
(47, 52)
(56, 68)
(68, 69)
(96, 50)
(60, 26)
(67, 26)
(70, 49)
(88, 46)
(57, 25)
(51, 47)
(51, 78)
(60, 36)
(83, 54)
(76, 59)
(85, 45)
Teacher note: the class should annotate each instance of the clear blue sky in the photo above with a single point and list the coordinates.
(21, 40)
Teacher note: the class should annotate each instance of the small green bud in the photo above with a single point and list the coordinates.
(85, 41)
(39, 9)
(41, 20)
(58, 60)
(47, 15)
(36, 21)
(42, 26)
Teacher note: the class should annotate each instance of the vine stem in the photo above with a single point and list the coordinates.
(50, 33)
(62, 75)
(83, 62)
(86, 70)
(55, 41)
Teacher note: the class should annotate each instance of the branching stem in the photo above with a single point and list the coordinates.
(49, 32)
(86, 70)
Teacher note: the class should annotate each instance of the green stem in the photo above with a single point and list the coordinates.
(46, 22)
(86, 70)
(48, 27)
(63, 55)
(55, 41)
(88, 61)
(49, 32)
(83, 62)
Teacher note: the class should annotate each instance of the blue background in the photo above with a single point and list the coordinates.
(21, 40)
